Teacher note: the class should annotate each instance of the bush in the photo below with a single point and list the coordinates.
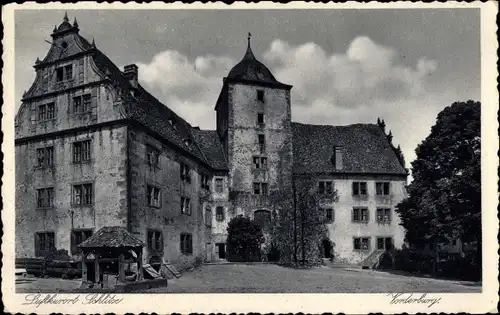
(243, 240)
(273, 254)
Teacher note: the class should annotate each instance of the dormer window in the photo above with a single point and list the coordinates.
(260, 95)
(187, 142)
(336, 158)
(171, 121)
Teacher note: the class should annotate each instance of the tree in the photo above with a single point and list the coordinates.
(300, 221)
(244, 239)
(444, 200)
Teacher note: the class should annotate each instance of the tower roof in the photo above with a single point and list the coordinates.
(249, 68)
(65, 26)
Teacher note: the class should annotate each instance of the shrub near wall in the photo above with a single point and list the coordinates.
(244, 240)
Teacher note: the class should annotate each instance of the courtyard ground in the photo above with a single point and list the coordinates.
(268, 278)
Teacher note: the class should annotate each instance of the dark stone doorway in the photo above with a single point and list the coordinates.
(326, 247)
(222, 250)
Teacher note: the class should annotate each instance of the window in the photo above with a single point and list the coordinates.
(68, 72)
(185, 173)
(152, 156)
(44, 242)
(45, 197)
(172, 123)
(384, 243)
(185, 205)
(219, 185)
(260, 118)
(262, 143)
(78, 236)
(329, 215)
(382, 189)
(260, 188)
(60, 74)
(205, 182)
(260, 95)
(360, 215)
(359, 189)
(383, 215)
(82, 103)
(45, 157)
(361, 243)
(208, 217)
(82, 194)
(46, 111)
(155, 241)
(186, 243)
(81, 151)
(219, 213)
(325, 187)
(263, 218)
(154, 195)
(260, 162)
(64, 73)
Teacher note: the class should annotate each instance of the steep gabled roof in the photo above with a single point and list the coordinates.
(153, 114)
(211, 146)
(111, 236)
(365, 149)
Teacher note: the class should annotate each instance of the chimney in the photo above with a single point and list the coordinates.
(131, 74)
(337, 157)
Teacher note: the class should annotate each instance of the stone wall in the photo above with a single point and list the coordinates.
(106, 171)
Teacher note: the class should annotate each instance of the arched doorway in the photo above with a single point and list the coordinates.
(326, 248)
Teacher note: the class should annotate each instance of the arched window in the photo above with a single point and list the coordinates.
(263, 218)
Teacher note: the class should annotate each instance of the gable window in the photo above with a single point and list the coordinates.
(262, 143)
(260, 162)
(260, 95)
(383, 215)
(186, 243)
(45, 157)
(81, 151)
(45, 197)
(359, 189)
(78, 236)
(360, 215)
(64, 73)
(219, 213)
(219, 185)
(208, 217)
(185, 173)
(82, 103)
(260, 119)
(46, 111)
(154, 196)
(82, 194)
(152, 156)
(205, 182)
(382, 188)
(155, 241)
(325, 187)
(329, 215)
(44, 242)
(263, 218)
(260, 188)
(384, 243)
(185, 205)
(362, 243)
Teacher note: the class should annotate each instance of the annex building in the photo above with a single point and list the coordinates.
(95, 149)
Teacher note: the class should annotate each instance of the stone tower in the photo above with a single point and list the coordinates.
(254, 125)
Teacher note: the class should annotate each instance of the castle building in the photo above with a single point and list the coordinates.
(95, 149)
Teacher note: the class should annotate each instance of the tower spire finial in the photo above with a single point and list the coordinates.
(75, 23)
(249, 53)
(248, 38)
(65, 19)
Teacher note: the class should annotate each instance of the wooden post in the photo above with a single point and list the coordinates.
(96, 269)
(121, 268)
(84, 267)
(139, 265)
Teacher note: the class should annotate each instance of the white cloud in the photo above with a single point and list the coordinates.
(357, 86)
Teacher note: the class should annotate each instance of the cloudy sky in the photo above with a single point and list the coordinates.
(346, 66)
